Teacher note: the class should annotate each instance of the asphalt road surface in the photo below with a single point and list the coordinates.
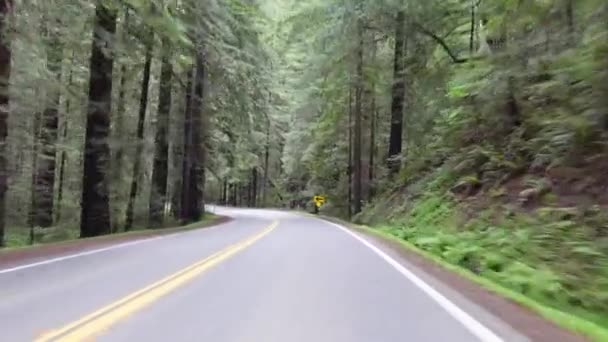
(266, 276)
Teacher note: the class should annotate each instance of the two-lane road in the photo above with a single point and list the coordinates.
(265, 276)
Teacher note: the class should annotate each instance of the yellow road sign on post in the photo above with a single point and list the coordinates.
(319, 201)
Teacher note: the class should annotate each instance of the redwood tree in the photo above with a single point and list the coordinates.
(357, 144)
(143, 106)
(158, 195)
(95, 206)
(44, 180)
(396, 132)
(194, 153)
(6, 8)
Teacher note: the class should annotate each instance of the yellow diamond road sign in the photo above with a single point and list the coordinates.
(319, 200)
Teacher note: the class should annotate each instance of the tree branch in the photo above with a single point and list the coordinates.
(441, 42)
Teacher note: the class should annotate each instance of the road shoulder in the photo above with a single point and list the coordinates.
(511, 310)
(14, 257)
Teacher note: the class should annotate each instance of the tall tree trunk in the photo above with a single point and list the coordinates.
(372, 145)
(158, 195)
(233, 195)
(184, 194)
(64, 136)
(254, 187)
(45, 167)
(197, 173)
(396, 134)
(143, 106)
(62, 162)
(248, 192)
(224, 192)
(266, 163)
(6, 9)
(472, 30)
(187, 154)
(357, 148)
(235, 190)
(350, 151)
(194, 173)
(119, 136)
(372, 130)
(36, 126)
(239, 195)
(95, 206)
(175, 146)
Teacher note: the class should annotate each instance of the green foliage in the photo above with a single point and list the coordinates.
(555, 261)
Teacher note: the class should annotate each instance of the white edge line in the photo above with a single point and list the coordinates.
(91, 252)
(474, 326)
(78, 255)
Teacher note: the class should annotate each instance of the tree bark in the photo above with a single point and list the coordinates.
(254, 187)
(398, 94)
(158, 195)
(95, 206)
(119, 135)
(224, 192)
(350, 152)
(143, 106)
(187, 152)
(372, 146)
(472, 31)
(62, 162)
(266, 163)
(233, 195)
(357, 148)
(197, 179)
(36, 127)
(239, 197)
(44, 186)
(6, 10)
(372, 131)
(182, 196)
(64, 155)
(193, 168)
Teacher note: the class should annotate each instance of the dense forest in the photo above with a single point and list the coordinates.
(476, 130)
(115, 112)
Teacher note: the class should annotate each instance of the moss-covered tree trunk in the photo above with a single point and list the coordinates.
(187, 153)
(119, 135)
(358, 131)
(196, 156)
(143, 106)
(63, 159)
(44, 181)
(158, 195)
(349, 171)
(6, 8)
(254, 187)
(398, 94)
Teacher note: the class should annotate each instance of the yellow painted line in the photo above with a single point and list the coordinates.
(97, 322)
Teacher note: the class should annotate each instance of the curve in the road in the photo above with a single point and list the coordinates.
(102, 319)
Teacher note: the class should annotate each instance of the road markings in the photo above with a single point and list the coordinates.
(474, 326)
(91, 252)
(78, 255)
(99, 321)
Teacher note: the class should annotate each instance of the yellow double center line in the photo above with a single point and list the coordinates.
(88, 327)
